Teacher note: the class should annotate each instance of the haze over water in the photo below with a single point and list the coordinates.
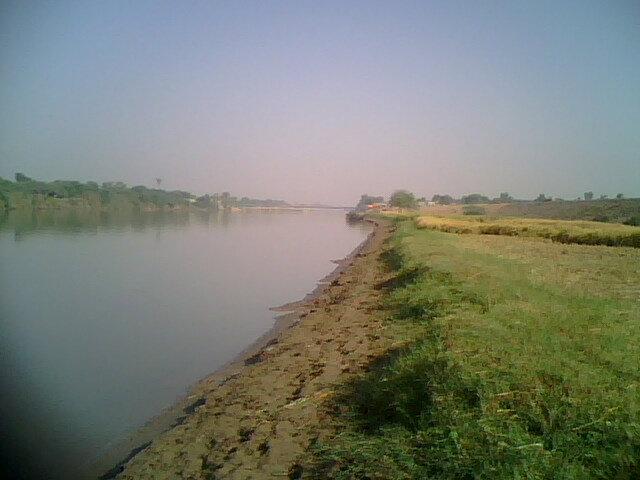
(106, 320)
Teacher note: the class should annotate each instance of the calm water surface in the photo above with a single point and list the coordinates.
(106, 320)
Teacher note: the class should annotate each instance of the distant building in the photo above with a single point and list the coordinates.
(376, 206)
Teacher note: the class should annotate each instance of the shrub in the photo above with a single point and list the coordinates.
(473, 210)
(495, 229)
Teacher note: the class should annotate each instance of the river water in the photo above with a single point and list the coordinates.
(107, 319)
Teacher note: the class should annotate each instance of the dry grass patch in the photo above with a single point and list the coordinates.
(562, 231)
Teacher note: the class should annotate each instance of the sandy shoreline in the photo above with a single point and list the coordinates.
(126, 455)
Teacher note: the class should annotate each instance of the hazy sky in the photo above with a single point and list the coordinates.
(322, 101)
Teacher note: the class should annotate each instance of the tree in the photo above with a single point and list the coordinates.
(21, 177)
(71, 188)
(475, 198)
(604, 197)
(4, 201)
(442, 199)
(588, 195)
(620, 196)
(114, 185)
(402, 199)
(542, 198)
(204, 201)
(505, 197)
(367, 200)
(225, 199)
(158, 181)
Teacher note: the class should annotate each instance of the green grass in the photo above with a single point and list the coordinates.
(523, 362)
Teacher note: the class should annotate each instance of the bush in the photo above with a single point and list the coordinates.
(473, 210)
(496, 229)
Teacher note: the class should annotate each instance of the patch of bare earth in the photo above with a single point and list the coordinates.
(260, 422)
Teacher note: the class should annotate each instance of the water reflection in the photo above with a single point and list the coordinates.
(24, 223)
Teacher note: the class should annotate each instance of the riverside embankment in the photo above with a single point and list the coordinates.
(258, 417)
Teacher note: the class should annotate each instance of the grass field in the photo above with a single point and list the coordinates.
(562, 231)
(522, 361)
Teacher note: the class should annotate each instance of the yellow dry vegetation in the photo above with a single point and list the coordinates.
(563, 231)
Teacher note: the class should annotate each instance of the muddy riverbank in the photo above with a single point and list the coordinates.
(256, 417)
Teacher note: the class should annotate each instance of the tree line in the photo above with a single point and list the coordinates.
(408, 200)
(26, 192)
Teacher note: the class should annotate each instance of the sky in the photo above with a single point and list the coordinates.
(313, 101)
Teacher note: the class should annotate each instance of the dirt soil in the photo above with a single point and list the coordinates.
(259, 420)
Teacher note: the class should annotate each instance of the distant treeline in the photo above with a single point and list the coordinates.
(26, 192)
(587, 207)
(505, 197)
(406, 199)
